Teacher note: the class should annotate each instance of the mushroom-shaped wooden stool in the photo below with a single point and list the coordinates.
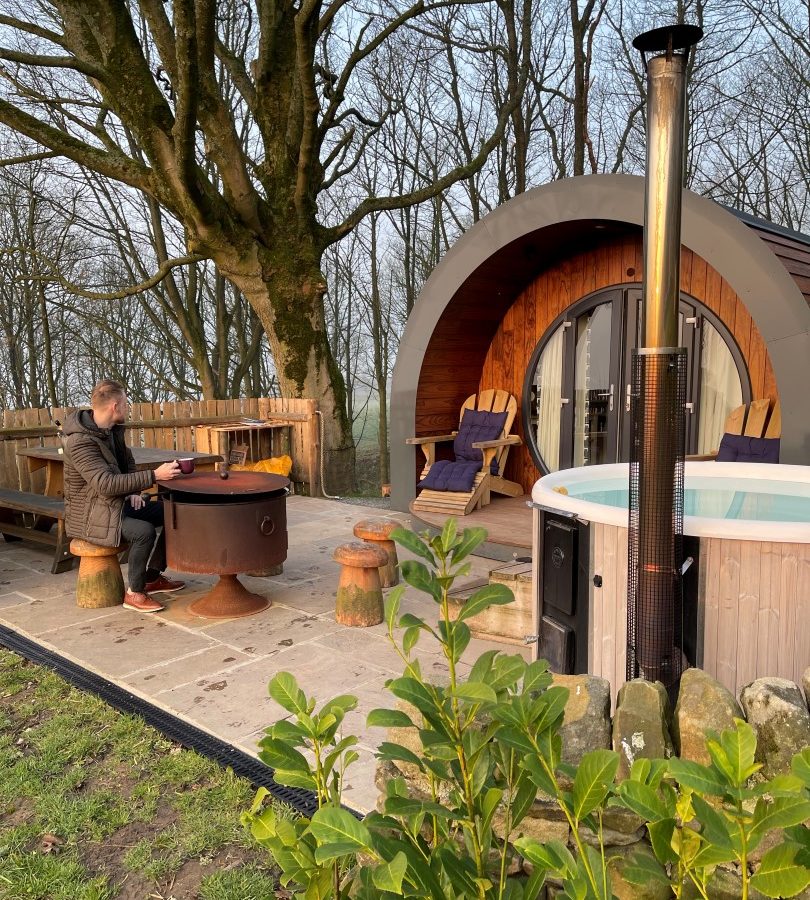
(100, 583)
(378, 532)
(359, 595)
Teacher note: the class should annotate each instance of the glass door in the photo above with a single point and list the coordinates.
(596, 350)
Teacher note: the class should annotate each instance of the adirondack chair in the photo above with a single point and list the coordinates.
(460, 503)
(749, 422)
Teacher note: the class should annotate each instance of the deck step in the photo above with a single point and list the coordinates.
(508, 624)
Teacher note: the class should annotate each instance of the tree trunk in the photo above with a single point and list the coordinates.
(285, 287)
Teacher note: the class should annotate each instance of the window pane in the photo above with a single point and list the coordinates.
(720, 388)
(592, 387)
(547, 391)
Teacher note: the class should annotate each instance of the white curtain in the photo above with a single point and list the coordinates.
(549, 393)
(720, 389)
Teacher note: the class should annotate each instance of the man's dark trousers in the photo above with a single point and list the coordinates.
(138, 529)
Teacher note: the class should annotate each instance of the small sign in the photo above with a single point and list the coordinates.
(238, 454)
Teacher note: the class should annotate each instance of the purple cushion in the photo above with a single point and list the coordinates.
(445, 475)
(739, 448)
(478, 425)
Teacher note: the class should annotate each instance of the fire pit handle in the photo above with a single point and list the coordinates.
(268, 526)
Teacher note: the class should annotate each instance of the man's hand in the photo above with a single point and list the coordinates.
(136, 501)
(167, 471)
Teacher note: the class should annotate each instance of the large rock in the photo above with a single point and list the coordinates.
(640, 726)
(703, 705)
(725, 884)
(777, 711)
(586, 725)
(806, 685)
(623, 889)
(620, 828)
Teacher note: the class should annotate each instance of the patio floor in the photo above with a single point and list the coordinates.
(214, 674)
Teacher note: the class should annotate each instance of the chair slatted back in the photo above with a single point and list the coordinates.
(753, 420)
(757, 415)
(494, 401)
(774, 429)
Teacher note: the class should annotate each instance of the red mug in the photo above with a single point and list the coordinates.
(186, 465)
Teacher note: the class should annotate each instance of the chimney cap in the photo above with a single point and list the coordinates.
(668, 39)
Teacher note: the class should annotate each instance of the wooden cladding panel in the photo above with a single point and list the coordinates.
(794, 256)
(554, 290)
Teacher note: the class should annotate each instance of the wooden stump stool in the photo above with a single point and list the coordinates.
(100, 583)
(378, 533)
(359, 595)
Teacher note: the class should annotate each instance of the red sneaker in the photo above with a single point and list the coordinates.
(141, 602)
(163, 585)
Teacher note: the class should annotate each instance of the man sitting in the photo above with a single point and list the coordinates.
(103, 502)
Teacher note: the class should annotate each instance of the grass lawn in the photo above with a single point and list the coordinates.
(96, 805)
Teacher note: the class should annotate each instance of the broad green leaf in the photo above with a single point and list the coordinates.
(388, 718)
(448, 535)
(284, 690)
(661, 840)
(489, 595)
(475, 692)
(470, 539)
(549, 707)
(492, 798)
(460, 640)
(642, 800)
(410, 639)
(396, 753)
(288, 731)
(388, 877)
(407, 806)
(516, 739)
(407, 688)
(507, 671)
(419, 576)
(800, 766)
(392, 602)
(537, 676)
(714, 825)
(295, 779)
(409, 620)
(319, 887)
(593, 781)
(697, 777)
(342, 704)
(740, 745)
(553, 856)
(460, 872)
(537, 772)
(325, 853)
(783, 812)
(780, 874)
(280, 755)
(641, 868)
(338, 826)
(483, 666)
(414, 543)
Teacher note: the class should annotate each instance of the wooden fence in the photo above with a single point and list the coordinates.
(170, 426)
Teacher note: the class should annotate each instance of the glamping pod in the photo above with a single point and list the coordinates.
(541, 299)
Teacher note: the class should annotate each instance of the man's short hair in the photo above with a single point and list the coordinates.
(106, 390)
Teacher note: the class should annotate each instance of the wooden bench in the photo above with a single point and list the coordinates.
(45, 511)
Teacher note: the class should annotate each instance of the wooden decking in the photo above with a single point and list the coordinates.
(508, 521)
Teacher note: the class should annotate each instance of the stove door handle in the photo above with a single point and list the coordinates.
(268, 526)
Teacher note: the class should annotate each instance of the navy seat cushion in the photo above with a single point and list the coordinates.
(478, 425)
(739, 448)
(445, 475)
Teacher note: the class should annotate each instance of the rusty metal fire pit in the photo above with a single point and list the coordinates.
(224, 527)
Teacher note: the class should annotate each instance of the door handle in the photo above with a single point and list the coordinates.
(627, 395)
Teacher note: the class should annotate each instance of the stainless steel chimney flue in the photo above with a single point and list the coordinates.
(654, 634)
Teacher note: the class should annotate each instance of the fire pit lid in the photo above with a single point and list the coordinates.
(237, 483)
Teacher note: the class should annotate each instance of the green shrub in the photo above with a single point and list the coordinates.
(488, 743)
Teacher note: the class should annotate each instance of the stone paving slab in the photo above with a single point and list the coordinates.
(214, 673)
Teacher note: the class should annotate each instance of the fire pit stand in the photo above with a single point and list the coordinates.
(224, 527)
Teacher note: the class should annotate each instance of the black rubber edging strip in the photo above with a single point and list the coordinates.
(174, 728)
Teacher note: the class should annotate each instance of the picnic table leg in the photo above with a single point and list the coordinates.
(63, 559)
(7, 515)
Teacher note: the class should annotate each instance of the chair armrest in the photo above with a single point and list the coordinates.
(510, 441)
(433, 439)
(702, 457)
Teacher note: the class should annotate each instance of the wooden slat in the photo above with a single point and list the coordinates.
(757, 414)
(748, 606)
(774, 429)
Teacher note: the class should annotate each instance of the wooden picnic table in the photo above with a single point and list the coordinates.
(52, 460)
(29, 516)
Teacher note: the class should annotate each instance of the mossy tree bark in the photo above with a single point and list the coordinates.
(162, 99)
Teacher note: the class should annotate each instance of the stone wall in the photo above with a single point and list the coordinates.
(644, 725)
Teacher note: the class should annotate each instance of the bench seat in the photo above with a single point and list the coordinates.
(47, 511)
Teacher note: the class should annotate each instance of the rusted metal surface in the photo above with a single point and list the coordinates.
(236, 486)
(223, 527)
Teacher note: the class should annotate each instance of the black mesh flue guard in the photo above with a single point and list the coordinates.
(655, 545)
